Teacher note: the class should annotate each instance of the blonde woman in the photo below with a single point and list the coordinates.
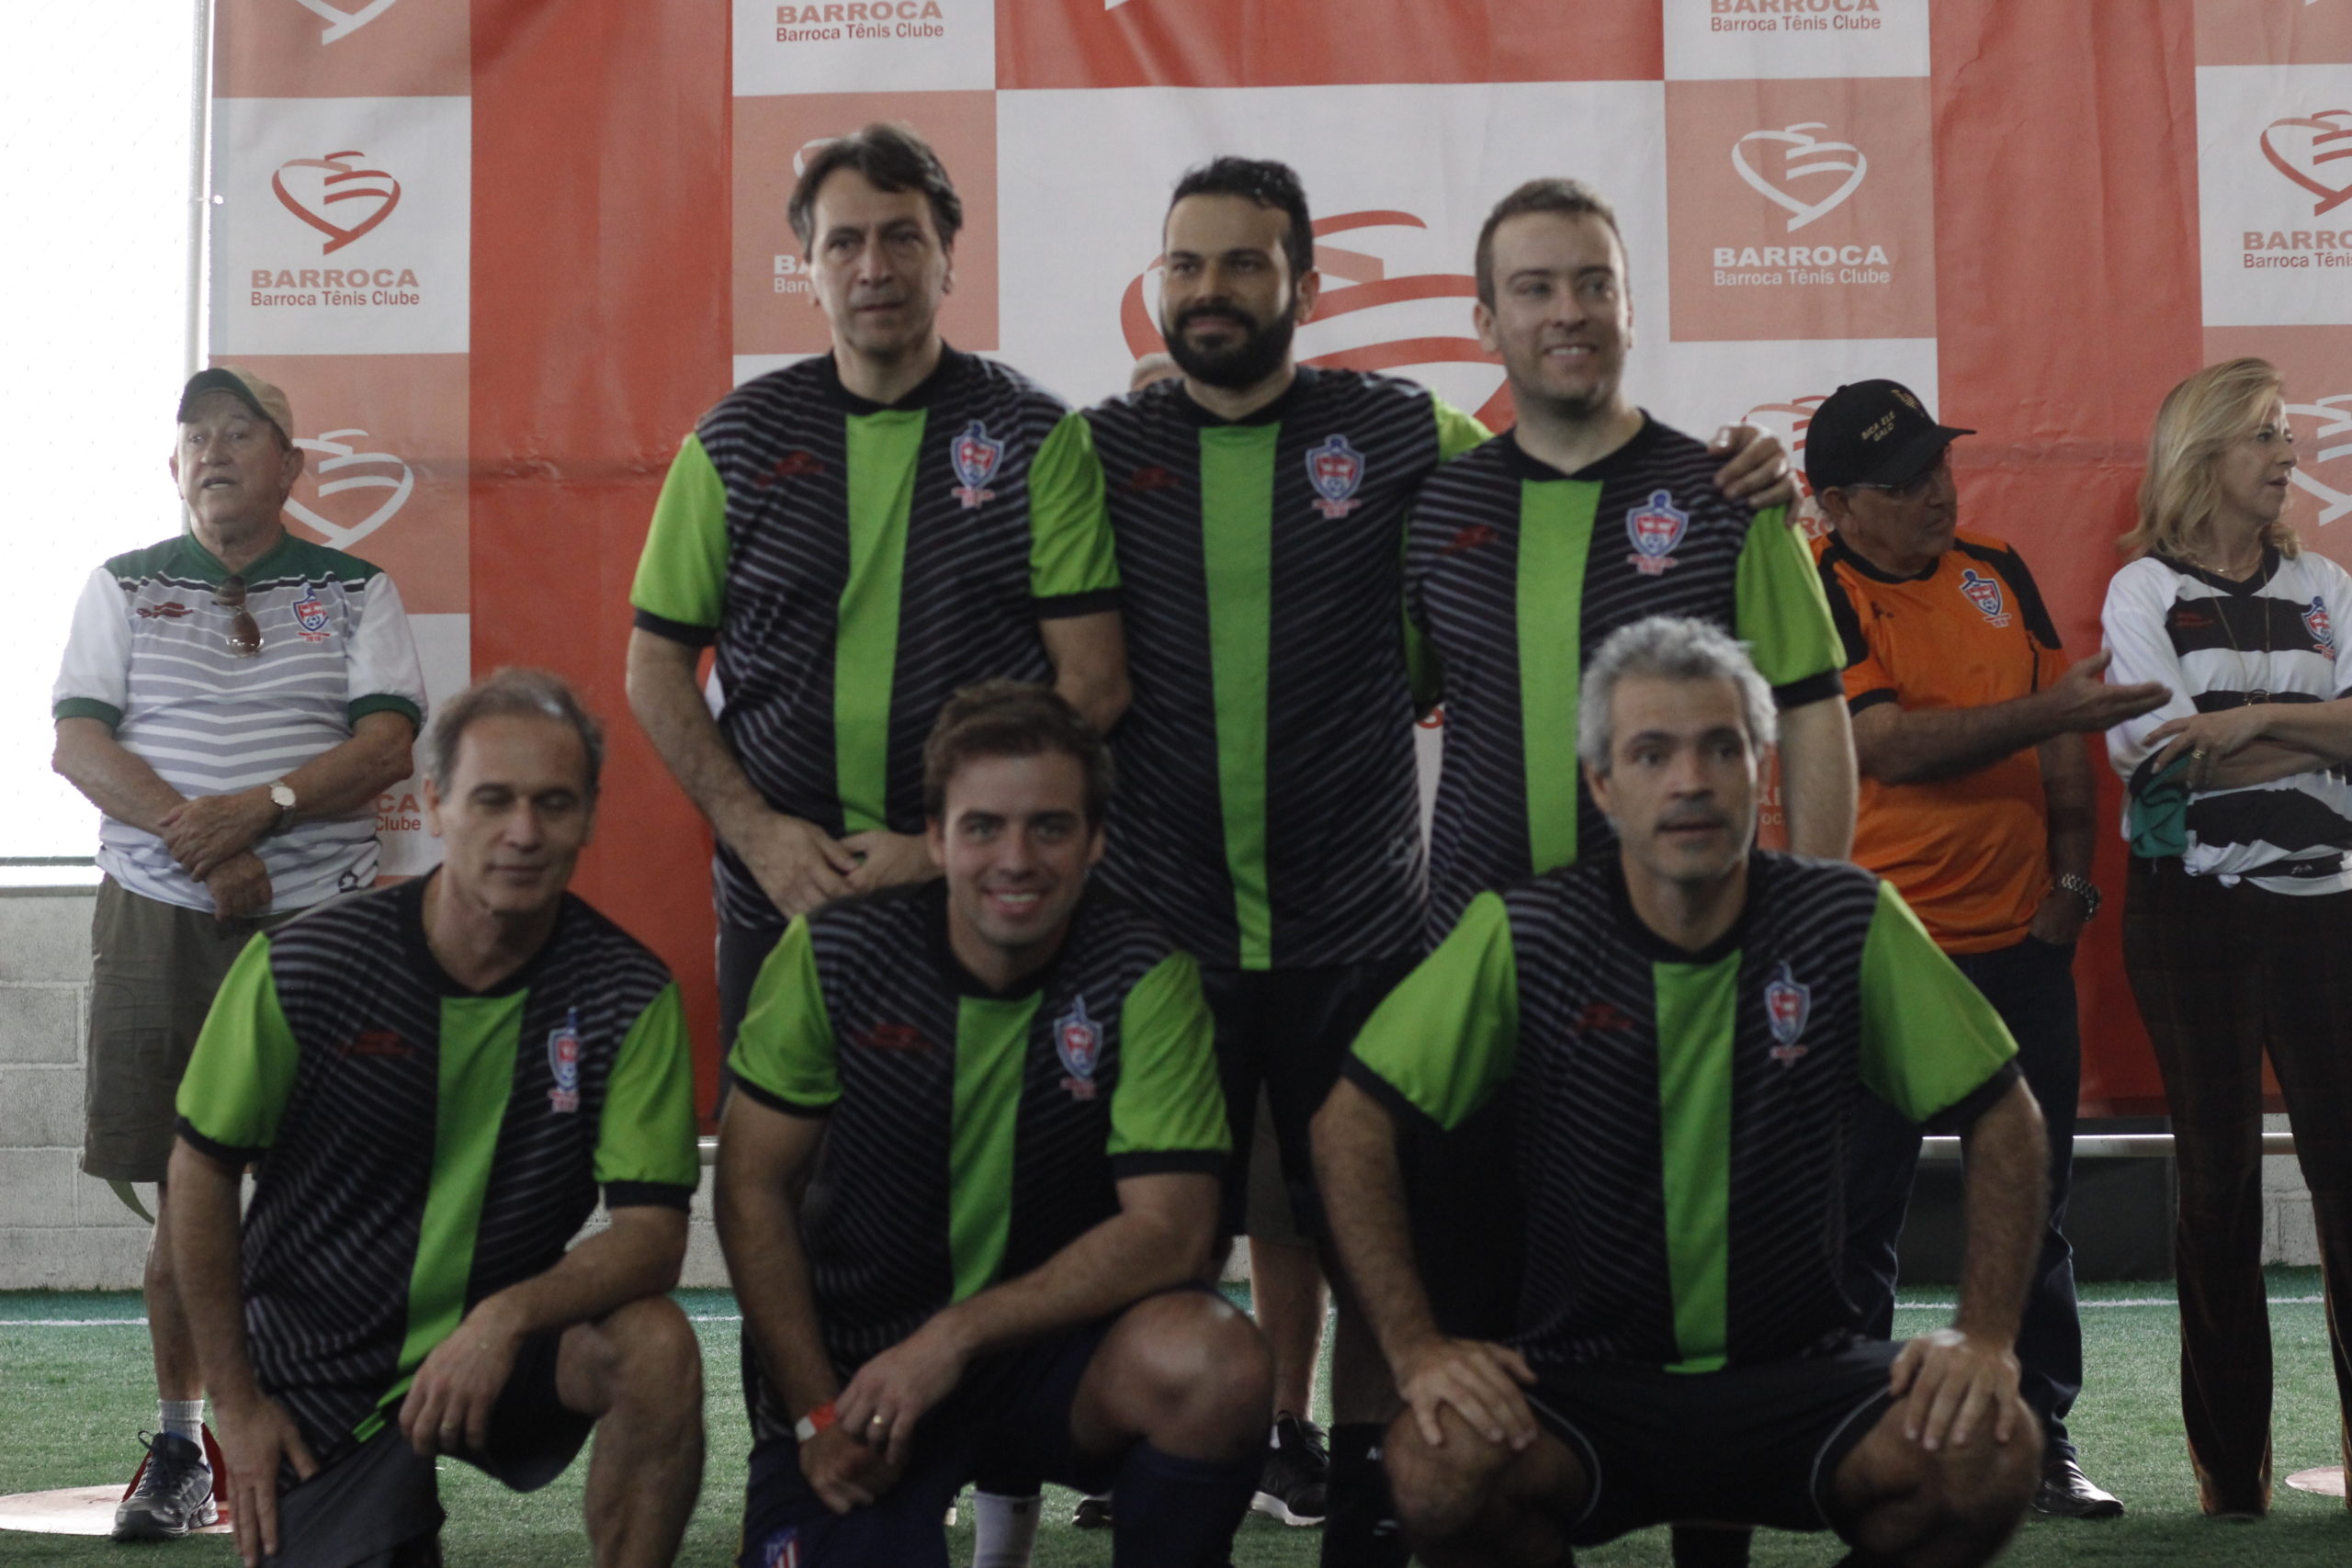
(2237, 926)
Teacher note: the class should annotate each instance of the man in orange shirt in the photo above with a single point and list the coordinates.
(1976, 805)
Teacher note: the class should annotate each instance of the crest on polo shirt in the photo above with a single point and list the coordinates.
(1787, 1006)
(2323, 630)
(781, 1550)
(1655, 528)
(1336, 471)
(310, 615)
(1985, 593)
(563, 1061)
(976, 459)
(1078, 1041)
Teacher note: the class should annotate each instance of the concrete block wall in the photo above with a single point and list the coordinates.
(61, 1230)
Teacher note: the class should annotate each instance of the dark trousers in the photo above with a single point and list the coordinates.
(741, 950)
(2031, 985)
(2223, 974)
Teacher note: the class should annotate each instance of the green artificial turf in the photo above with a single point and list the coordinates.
(71, 1400)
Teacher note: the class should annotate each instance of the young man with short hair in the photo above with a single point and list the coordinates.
(967, 1185)
(435, 1080)
(1686, 1026)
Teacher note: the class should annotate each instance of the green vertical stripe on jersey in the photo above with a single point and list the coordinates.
(991, 1041)
(1237, 553)
(477, 1051)
(882, 448)
(1555, 536)
(1695, 1008)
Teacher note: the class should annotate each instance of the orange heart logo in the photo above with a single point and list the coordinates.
(322, 187)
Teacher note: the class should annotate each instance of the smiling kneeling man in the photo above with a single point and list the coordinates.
(435, 1079)
(1000, 1092)
(1682, 1028)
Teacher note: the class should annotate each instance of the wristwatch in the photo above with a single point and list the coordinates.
(2082, 887)
(281, 794)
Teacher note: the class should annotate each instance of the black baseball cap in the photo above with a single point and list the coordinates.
(1872, 433)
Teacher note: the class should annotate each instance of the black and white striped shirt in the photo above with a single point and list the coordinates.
(2221, 644)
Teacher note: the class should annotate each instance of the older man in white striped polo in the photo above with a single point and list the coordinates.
(233, 700)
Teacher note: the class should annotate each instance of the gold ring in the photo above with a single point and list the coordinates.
(2197, 754)
(876, 1419)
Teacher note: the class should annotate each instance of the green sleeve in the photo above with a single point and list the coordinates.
(241, 1072)
(1167, 1100)
(1447, 1038)
(1069, 526)
(1457, 432)
(1930, 1038)
(783, 1050)
(681, 575)
(647, 1134)
(1783, 616)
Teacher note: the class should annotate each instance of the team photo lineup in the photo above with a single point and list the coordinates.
(1080, 918)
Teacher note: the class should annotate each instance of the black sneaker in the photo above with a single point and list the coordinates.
(1297, 1482)
(172, 1494)
(1092, 1513)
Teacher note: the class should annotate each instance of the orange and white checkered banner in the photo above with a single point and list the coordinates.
(556, 233)
(342, 201)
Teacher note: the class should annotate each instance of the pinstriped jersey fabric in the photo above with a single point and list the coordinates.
(1511, 631)
(352, 1140)
(795, 455)
(1682, 1117)
(927, 1188)
(1280, 675)
(148, 657)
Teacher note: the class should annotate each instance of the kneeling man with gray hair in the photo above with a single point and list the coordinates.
(435, 1079)
(1683, 1026)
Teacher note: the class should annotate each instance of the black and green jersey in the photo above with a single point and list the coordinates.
(856, 564)
(1682, 1117)
(1515, 571)
(969, 1135)
(1268, 808)
(422, 1146)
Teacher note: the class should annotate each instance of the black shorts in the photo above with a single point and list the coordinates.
(368, 1508)
(1286, 1032)
(1011, 1412)
(1749, 1445)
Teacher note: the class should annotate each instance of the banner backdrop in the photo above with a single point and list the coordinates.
(502, 254)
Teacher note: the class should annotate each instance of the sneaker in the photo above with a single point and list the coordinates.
(1298, 1472)
(1092, 1513)
(172, 1494)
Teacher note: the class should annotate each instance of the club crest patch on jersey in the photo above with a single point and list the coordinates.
(1336, 471)
(1985, 593)
(1787, 1006)
(1078, 1041)
(1656, 529)
(976, 458)
(781, 1550)
(563, 1060)
(2323, 629)
(311, 616)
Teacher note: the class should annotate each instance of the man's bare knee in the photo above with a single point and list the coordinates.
(1442, 1490)
(1187, 1372)
(642, 1358)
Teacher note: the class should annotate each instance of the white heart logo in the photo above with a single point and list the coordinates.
(2335, 416)
(1806, 155)
(332, 455)
(342, 24)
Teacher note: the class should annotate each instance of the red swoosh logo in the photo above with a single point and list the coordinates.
(2328, 124)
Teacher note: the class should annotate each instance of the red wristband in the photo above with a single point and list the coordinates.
(816, 1421)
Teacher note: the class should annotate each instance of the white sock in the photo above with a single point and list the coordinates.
(182, 1418)
(1005, 1530)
